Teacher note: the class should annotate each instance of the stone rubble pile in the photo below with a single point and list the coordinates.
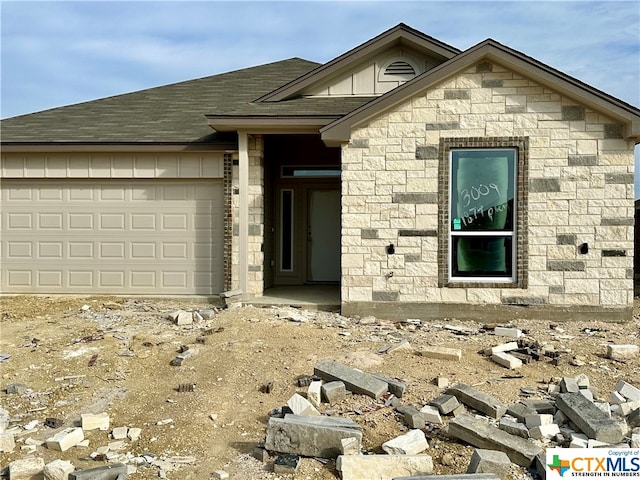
(120, 463)
(570, 415)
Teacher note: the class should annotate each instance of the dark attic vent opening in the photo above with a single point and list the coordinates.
(400, 68)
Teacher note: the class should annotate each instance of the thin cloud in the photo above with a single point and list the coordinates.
(57, 53)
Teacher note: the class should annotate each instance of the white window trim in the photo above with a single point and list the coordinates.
(502, 233)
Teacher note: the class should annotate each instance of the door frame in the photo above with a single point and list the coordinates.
(300, 254)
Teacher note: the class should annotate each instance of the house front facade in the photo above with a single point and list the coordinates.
(426, 181)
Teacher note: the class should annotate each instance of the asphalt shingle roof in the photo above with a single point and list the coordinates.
(172, 113)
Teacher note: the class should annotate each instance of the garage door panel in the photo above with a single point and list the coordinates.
(151, 237)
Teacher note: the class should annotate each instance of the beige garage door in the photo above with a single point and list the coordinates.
(112, 236)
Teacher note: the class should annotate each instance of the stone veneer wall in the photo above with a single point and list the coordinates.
(579, 190)
(255, 281)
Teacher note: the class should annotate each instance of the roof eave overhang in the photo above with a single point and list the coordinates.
(270, 124)
(52, 147)
(340, 131)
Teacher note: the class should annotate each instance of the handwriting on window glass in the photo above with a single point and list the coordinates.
(477, 192)
(471, 215)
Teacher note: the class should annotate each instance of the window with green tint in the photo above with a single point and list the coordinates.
(482, 208)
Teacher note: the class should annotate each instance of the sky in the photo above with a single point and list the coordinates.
(63, 52)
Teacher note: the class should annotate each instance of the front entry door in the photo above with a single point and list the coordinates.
(323, 238)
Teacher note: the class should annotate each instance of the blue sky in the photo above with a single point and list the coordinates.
(63, 52)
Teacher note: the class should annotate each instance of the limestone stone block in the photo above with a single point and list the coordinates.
(383, 467)
(301, 406)
(411, 443)
(29, 468)
(58, 470)
(65, 439)
(91, 421)
(309, 435)
(490, 461)
(7, 442)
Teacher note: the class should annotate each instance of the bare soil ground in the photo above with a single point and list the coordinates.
(81, 355)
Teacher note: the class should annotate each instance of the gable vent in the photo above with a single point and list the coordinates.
(400, 68)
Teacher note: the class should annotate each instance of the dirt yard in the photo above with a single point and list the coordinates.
(92, 355)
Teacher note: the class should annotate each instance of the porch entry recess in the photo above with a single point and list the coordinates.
(308, 234)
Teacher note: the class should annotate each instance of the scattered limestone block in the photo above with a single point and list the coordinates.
(220, 474)
(310, 436)
(569, 385)
(628, 391)
(207, 314)
(506, 360)
(64, 440)
(538, 419)
(301, 406)
(382, 467)
(504, 347)
(635, 438)
(514, 427)
(180, 358)
(627, 407)
(350, 446)
(616, 399)
(58, 470)
(395, 387)
(490, 461)
(411, 443)
(431, 414)
(4, 420)
(333, 392)
(582, 380)
(579, 440)
(481, 401)
(589, 418)
(119, 433)
(29, 468)
(442, 353)
(355, 380)
(442, 382)
(7, 442)
(114, 471)
(445, 403)
(134, 434)
(481, 434)
(622, 352)
(92, 421)
(181, 317)
(508, 332)
(544, 431)
(314, 393)
(412, 416)
(404, 345)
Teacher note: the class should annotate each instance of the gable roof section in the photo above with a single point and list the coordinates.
(400, 34)
(170, 114)
(340, 130)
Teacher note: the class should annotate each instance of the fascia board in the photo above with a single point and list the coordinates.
(262, 124)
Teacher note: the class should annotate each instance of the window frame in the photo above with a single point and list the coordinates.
(518, 231)
(506, 233)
